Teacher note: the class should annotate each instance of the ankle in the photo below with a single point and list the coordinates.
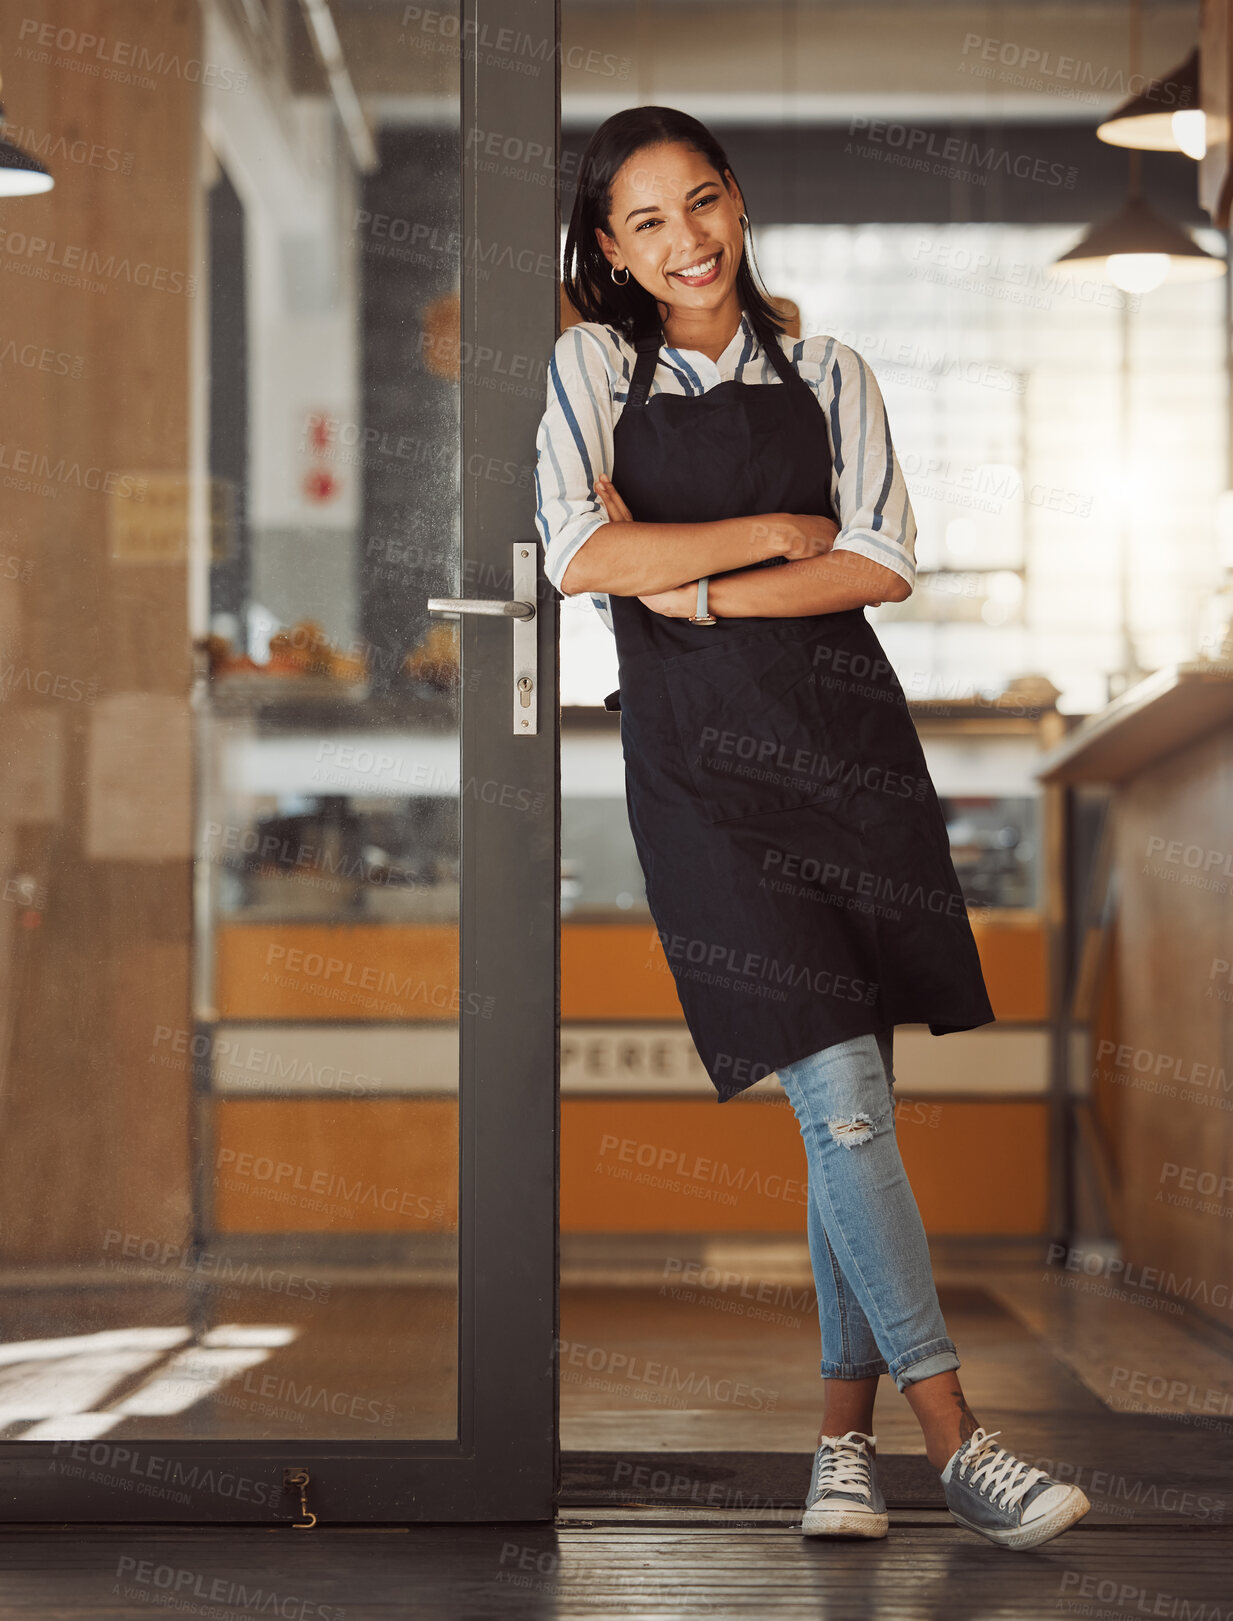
(862, 1426)
(943, 1414)
(940, 1449)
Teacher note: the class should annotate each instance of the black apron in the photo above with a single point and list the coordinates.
(796, 858)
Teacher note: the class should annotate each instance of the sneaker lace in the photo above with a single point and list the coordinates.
(844, 1466)
(1001, 1476)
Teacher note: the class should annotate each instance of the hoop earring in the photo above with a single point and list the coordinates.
(613, 273)
(744, 222)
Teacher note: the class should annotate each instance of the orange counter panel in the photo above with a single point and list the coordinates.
(615, 971)
(291, 1165)
(609, 971)
(317, 971)
(651, 1165)
(636, 1165)
(1015, 962)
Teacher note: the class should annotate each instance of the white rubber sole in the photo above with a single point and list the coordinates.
(843, 1522)
(1072, 1507)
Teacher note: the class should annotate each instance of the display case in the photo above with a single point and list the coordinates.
(327, 957)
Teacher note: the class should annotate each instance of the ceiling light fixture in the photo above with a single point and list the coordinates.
(1136, 248)
(1165, 116)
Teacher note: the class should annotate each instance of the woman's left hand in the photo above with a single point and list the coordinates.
(679, 603)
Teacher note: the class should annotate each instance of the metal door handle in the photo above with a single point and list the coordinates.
(481, 605)
(520, 608)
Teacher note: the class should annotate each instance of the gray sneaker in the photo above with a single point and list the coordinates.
(844, 1499)
(992, 1492)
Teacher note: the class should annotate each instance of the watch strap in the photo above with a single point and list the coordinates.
(700, 616)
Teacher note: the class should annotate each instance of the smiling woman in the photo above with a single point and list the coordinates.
(684, 439)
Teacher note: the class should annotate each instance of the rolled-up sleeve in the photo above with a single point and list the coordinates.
(867, 485)
(573, 444)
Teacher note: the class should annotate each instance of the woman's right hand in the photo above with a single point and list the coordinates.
(795, 535)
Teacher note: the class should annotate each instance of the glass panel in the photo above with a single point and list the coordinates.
(995, 846)
(1003, 383)
(229, 812)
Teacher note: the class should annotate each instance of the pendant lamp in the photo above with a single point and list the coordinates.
(1164, 117)
(1136, 249)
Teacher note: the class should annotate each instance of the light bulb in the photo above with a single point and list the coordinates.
(1137, 272)
(23, 182)
(1190, 132)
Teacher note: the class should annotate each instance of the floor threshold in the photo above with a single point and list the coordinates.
(788, 1519)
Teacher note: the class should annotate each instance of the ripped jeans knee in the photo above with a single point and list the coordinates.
(854, 1130)
(849, 1086)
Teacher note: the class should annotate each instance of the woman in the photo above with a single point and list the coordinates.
(732, 506)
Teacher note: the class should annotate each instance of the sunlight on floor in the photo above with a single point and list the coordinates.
(58, 1389)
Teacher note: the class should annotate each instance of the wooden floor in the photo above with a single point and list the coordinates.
(1047, 1367)
(617, 1567)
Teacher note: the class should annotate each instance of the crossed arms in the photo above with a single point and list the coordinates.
(660, 563)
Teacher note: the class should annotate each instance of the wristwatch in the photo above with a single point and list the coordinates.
(701, 617)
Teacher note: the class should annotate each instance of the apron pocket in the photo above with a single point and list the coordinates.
(754, 734)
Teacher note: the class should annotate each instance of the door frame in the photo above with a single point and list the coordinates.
(505, 1461)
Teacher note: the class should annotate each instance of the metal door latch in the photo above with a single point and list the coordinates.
(300, 1477)
(520, 610)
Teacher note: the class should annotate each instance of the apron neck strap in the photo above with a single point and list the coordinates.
(787, 371)
(648, 345)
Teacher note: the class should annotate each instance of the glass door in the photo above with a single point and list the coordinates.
(278, 765)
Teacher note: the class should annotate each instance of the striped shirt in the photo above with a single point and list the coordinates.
(588, 383)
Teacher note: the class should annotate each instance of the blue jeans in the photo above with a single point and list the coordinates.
(877, 1304)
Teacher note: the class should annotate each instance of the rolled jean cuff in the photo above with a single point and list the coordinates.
(853, 1370)
(937, 1356)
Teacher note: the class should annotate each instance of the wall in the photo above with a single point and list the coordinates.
(95, 744)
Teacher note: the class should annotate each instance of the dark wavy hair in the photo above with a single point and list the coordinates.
(587, 279)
